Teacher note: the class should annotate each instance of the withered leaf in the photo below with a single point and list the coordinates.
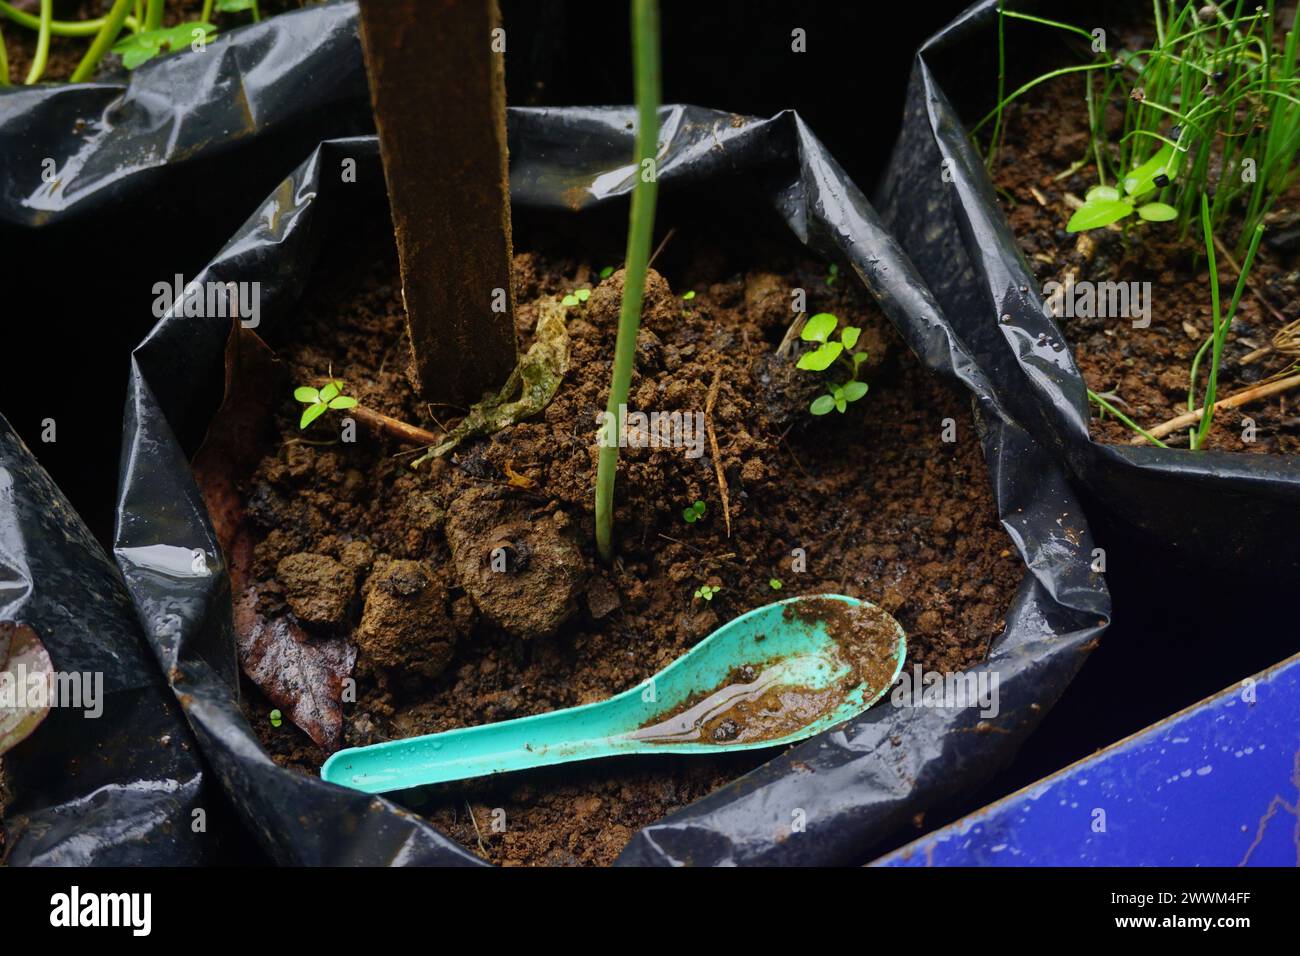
(301, 675)
(23, 659)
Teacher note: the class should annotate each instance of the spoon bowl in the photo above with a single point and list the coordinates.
(770, 677)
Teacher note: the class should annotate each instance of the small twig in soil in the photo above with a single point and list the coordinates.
(393, 427)
(1253, 394)
(1285, 342)
(477, 833)
(660, 248)
(713, 446)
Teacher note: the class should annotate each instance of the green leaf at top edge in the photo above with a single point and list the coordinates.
(1098, 213)
(329, 392)
(1142, 178)
(819, 327)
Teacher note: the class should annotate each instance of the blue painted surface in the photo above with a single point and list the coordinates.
(1217, 784)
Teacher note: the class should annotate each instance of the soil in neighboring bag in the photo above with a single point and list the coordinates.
(66, 53)
(1144, 371)
(354, 543)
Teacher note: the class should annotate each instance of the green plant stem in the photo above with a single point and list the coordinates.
(4, 62)
(58, 28)
(206, 15)
(42, 43)
(1222, 323)
(112, 26)
(153, 15)
(995, 138)
(645, 61)
(1125, 419)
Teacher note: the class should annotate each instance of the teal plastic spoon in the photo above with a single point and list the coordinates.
(775, 675)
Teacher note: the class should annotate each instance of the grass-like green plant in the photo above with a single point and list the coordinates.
(1219, 334)
(693, 513)
(820, 329)
(131, 28)
(1212, 108)
(329, 397)
(645, 68)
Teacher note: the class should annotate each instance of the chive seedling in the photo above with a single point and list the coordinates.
(819, 329)
(645, 60)
(1216, 100)
(1222, 323)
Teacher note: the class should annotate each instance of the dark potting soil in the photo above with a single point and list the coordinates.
(66, 52)
(1147, 369)
(394, 559)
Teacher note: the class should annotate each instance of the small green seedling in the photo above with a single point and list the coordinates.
(774, 584)
(576, 297)
(319, 401)
(606, 272)
(693, 513)
(819, 329)
(688, 296)
(276, 718)
(1106, 204)
(832, 274)
(138, 48)
(706, 591)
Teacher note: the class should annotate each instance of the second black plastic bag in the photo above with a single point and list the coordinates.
(1217, 507)
(854, 785)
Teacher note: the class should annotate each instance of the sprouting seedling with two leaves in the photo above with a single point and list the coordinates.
(1106, 204)
(819, 329)
(318, 401)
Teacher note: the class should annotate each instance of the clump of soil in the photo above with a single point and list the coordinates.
(1147, 369)
(872, 504)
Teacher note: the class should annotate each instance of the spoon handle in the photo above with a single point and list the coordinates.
(579, 733)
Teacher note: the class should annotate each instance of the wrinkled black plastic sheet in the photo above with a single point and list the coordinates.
(853, 785)
(285, 83)
(1220, 507)
(119, 789)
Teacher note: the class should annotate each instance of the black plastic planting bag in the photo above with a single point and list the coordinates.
(854, 784)
(116, 780)
(252, 93)
(937, 198)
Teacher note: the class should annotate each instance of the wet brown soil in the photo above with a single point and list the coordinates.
(351, 541)
(1147, 370)
(66, 52)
